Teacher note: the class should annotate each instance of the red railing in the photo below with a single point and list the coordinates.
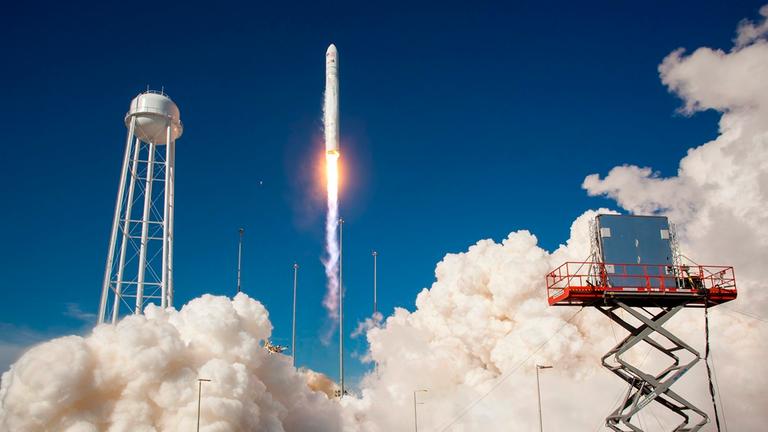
(582, 282)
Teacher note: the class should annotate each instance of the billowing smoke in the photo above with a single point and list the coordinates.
(476, 334)
(141, 375)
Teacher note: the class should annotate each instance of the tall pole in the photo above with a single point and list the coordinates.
(239, 257)
(415, 416)
(538, 393)
(341, 307)
(293, 329)
(199, 393)
(375, 254)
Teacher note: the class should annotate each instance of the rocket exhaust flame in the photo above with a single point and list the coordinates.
(331, 129)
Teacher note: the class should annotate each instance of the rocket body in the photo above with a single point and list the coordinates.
(331, 103)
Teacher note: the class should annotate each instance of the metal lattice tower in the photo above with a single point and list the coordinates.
(139, 267)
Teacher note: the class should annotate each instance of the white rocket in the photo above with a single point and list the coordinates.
(331, 106)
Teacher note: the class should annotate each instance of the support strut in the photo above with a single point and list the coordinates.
(645, 387)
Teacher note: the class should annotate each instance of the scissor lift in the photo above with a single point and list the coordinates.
(651, 294)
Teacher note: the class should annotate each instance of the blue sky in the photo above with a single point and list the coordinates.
(458, 123)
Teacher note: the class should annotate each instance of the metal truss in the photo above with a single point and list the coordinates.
(645, 387)
(139, 261)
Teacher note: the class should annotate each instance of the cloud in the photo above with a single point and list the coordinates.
(73, 311)
(141, 375)
(477, 330)
(749, 32)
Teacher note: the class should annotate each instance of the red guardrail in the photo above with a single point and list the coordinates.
(580, 282)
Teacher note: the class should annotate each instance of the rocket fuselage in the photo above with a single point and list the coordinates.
(331, 103)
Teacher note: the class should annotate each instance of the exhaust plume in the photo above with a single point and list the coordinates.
(141, 375)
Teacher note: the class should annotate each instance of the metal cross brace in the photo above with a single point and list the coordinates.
(645, 387)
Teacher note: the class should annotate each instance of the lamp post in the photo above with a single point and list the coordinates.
(199, 393)
(538, 392)
(415, 416)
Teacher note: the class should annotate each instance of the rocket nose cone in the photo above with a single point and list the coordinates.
(331, 50)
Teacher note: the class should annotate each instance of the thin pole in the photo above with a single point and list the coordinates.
(341, 307)
(538, 393)
(199, 393)
(239, 257)
(375, 254)
(293, 330)
(415, 416)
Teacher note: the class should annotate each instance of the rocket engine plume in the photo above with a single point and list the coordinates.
(331, 129)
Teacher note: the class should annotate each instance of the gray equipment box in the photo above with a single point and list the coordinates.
(633, 247)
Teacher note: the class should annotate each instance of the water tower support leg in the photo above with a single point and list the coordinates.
(145, 220)
(171, 185)
(126, 232)
(164, 266)
(115, 222)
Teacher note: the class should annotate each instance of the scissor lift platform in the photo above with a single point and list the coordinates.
(640, 285)
(651, 295)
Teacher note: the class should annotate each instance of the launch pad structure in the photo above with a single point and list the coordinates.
(642, 298)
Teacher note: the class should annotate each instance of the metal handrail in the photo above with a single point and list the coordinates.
(646, 277)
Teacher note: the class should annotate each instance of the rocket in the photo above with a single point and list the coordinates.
(331, 103)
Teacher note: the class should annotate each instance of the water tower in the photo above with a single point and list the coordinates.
(139, 267)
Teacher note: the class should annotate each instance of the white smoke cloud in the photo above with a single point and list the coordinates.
(141, 375)
(478, 327)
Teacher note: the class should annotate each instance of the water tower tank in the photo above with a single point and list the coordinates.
(153, 111)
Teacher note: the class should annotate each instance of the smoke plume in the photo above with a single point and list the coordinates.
(141, 375)
(478, 332)
(331, 260)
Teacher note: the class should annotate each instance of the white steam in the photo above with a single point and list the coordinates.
(141, 375)
(472, 340)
